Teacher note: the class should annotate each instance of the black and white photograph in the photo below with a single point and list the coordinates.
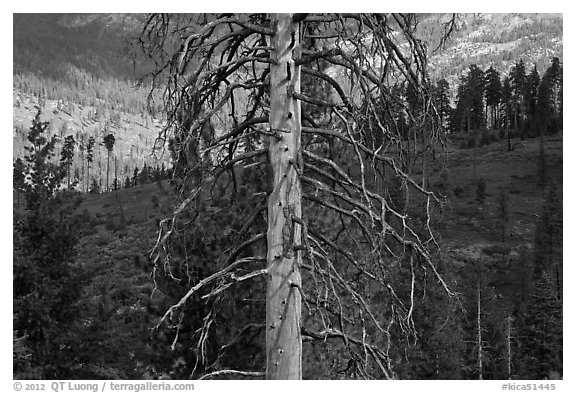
(287, 196)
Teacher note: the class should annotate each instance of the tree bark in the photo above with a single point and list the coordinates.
(479, 328)
(283, 298)
(509, 344)
(108, 172)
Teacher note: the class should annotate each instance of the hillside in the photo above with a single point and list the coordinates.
(86, 62)
(122, 225)
(135, 134)
(492, 39)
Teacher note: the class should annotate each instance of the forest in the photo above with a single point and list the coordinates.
(313, 205)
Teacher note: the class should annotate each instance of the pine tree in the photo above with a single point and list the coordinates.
(115, 184)
(135, 178)
(542, 334)
(18, 177)
(507, 102)
(89, 157)
(144, 175)
(442, 94)
(109, 141)
(67, 155)
(549, 99)
(493, 94)
(532, 83)
(548, 238)
(469, 110)
(46, 284)
(95, 186)
(308, 163)
(518, 84)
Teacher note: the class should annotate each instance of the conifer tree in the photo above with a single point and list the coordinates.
(18, 177)
(532, 83)
(95, 186)
(323, 171)
(89, 158)
(470, 106)
(67, 155)
(542, 333)
(135, 178)
(46, 283)
(109, 141)
(518, 85)
(507, 103)
(493, 94)
(549, 99)
(548, 238)
(442, 93)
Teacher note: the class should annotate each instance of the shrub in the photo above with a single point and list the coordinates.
(481, 191)
(496, 249)
(458, 191)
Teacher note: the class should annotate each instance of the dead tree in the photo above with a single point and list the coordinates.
(309, 101)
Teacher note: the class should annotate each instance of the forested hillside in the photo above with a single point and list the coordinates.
(497, 40)
(82, 72)
(334, 200)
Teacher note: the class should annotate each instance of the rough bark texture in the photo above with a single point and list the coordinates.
(479, 327)
(283, 303)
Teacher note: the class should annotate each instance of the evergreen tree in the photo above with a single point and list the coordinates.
(115, 184)
(45, 175)
(442, 95)
(18, 177)
(95, 186)
(109, 141)
(67, 155)
(542, 335)
(548, 238)
(532, 83)
(507, 102)
(469, 110)
(518, 83)
(144, 175)
(89, 157)
(82, 151)
(549, 99)
(493, 94)
(46, 282)
(475, 88)
(135, 178)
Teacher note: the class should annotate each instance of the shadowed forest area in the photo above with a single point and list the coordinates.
(300, 199)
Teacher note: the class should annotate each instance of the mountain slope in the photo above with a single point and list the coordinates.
(492, 39)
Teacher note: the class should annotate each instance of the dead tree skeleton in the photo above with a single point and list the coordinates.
(333, 233)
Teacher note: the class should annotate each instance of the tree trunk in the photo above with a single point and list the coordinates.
(479, 328)
(509, 344)
(108, 172)
(474, 160)
(283, 298)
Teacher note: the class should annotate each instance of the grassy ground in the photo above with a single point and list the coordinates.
(473, 230)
